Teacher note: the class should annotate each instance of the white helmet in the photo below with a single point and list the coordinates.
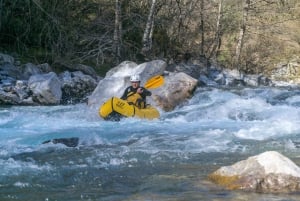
(135, 78)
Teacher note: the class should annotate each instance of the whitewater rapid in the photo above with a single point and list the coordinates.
(216, 127)
(210, 121)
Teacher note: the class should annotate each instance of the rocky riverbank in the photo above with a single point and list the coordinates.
(31, 84)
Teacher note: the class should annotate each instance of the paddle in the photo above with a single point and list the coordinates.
(154, 82)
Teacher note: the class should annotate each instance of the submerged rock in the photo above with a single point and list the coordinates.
(269, 172)
(69, 142)
(76, 86)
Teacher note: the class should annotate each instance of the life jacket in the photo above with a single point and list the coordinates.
(136, 99)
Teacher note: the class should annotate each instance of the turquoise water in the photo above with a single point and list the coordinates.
(165, 159)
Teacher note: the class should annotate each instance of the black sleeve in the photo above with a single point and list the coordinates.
(146, 92)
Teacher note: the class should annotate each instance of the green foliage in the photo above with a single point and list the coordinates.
(81, 31)
(102, 69)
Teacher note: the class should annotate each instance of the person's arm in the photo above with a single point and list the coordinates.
(146, 92)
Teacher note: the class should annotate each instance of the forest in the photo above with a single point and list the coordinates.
(253, 36)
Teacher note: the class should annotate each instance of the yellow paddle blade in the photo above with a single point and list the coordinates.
(154, 82)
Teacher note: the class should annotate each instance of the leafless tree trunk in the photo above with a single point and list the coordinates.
(243, 27)
(1, 5)
(217, 40)
(118, 31)
(147, 38)
(202, 27)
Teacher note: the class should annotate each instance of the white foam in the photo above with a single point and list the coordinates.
(15, 167)
(210, 120)
(268, 129)
(21, 184)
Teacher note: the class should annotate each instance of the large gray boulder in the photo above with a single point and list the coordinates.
(177, 88)
(269, 172)
(46, 88)
(5, 58)
(9, 98)
(9, 71)
(30, 69)
(76, 86)
(287, 71)
(86, 70)
(18, 94)
(187, 68)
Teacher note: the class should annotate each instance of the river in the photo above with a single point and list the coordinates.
(161, 160)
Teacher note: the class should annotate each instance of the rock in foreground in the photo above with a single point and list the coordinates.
(269, 172)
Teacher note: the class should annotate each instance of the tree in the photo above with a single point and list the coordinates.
(218, 33)
(103, 33)
(202, 31)
(118, 31)
(242, 31)
(148, 33)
